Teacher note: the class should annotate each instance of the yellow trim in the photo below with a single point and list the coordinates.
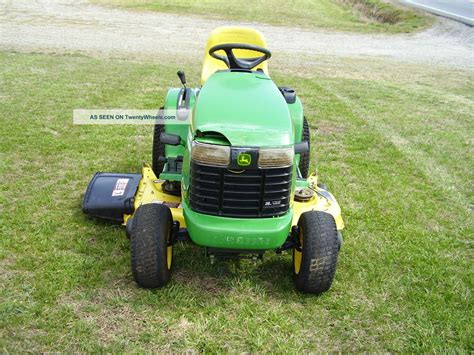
(149, 191)
(298, 255)
(169, 249)
(321, 201)
(231, 34)
(169, 256)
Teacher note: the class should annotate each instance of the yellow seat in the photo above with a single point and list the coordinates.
(231, 34)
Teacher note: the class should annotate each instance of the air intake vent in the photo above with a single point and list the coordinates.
(240, 193)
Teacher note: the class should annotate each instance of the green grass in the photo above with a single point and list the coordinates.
(343, 15)
(394, 145)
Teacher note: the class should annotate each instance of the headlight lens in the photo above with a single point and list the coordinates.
(275, 157)
(211, 154)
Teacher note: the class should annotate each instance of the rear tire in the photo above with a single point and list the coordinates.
(151, 245)
(305, 157)
(314, 264)
(158, 150)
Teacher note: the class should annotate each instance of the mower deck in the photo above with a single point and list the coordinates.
(150, 190)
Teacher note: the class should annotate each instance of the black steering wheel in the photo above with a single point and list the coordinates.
(233, 62)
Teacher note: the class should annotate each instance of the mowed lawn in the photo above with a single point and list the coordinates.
(394, 144)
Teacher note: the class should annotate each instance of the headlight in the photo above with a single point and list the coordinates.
(275, 157)
(211, 154)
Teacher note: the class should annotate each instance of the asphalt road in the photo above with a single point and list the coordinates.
(459, 10)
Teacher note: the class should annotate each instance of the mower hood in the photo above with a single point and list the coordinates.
(246, 107)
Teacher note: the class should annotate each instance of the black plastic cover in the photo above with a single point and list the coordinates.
(111, 195)
(289, 94)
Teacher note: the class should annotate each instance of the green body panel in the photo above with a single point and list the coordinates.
(237, 233)
(182, 130)
(301, 183)
(211, 140)
(186, 166)
(170, 176)
(247, 108)
(171, 103)
(296, 112)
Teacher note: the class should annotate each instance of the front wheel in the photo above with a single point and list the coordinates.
(315, 253)
(151, 247)
(305, 158)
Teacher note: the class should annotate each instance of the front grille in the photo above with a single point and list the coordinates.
(245, 193)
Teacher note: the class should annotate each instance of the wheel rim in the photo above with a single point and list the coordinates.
(169, 251)
(298, 255)
(169, 256)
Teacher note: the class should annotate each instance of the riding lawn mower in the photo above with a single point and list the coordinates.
(233, 179)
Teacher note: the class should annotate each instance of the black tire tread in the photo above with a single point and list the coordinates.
(148, 244)
(305, 157)
(320, 252)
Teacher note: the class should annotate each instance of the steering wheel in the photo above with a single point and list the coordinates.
(233, 62)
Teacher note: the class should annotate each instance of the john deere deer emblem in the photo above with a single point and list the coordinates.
(244, 159)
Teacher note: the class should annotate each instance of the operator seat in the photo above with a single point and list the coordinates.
(231, 34)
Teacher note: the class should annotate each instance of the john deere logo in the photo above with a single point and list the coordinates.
(244, 159)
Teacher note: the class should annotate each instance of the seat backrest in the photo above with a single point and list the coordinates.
(231, 34)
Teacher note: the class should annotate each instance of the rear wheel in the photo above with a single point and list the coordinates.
(315, 256)
(305, 157)
(151, 248)
(158, 150)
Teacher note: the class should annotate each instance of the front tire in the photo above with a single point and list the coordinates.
(315, 256)
(305, 158)
(151, 247)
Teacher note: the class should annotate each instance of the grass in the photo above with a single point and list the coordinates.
(394, 145)
(344, 15)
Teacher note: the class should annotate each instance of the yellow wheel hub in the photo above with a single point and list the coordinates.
(169, 250)
(298, 255)
(169, 255)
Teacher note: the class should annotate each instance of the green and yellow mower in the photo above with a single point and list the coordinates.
(233, 178)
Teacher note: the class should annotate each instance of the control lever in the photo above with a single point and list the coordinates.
(182, 78)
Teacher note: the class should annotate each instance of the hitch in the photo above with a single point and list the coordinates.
(236, 254)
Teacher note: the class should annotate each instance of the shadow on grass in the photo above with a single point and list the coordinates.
(192, 268)
(272, 275)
